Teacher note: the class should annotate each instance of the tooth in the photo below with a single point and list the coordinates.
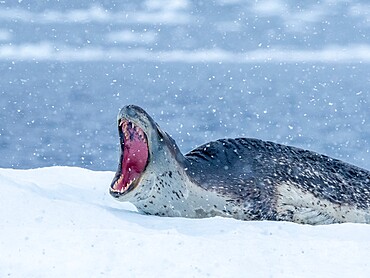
(131, 181)
(114, 186)
(122, 189)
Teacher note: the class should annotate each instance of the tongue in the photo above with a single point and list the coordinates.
(135, 156)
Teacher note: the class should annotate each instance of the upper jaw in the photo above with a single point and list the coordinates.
(136, 115)
(132, 112)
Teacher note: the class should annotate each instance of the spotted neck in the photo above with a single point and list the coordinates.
(170, 192)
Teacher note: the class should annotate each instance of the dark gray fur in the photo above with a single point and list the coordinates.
(254, 168)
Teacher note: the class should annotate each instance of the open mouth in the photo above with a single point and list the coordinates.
(134, 158)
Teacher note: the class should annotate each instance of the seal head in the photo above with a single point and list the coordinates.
(154, 175)
(141, 142)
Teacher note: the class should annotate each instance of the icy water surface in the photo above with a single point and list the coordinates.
(293, 73)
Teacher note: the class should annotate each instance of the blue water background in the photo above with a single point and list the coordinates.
(63, 111)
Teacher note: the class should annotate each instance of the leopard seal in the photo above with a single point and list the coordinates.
(242, 178)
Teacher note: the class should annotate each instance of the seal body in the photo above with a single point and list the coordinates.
(243, 178)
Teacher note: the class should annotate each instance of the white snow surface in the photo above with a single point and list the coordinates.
(62, 222)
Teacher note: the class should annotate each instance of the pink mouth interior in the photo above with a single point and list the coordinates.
(135, 156)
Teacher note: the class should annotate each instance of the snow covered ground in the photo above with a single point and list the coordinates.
(60, 222)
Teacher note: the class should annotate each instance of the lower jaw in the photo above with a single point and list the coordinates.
(128, 189)
(120, 196)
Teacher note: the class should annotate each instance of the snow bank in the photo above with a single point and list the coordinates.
(61, 222)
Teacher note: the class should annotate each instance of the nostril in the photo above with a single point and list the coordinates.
(131, 111)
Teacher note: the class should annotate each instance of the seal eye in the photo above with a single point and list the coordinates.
(134, 158)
